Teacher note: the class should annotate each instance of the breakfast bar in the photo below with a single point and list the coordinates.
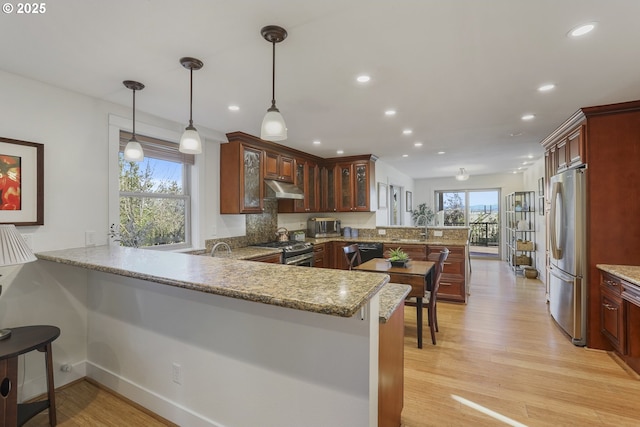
(232, 343)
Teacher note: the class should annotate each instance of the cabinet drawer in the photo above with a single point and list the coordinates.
(611, 283)
(451, 290)
(455, 252)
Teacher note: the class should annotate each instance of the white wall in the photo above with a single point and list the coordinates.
(77, 180)
(391, 176)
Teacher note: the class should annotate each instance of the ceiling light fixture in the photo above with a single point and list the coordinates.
(133, 150)
(273, 126)
(317, 142)
(462, 175)
(405, 155)
(407, 132)
(441, 152)
(190, 142)
(546, 87)
(417, 144)
(234, 108)
(363, 78)
(340, 152)
(583, 29)
(390, 113)
(527, 117)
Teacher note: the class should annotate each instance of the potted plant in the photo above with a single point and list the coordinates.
(422, 215)
(398, 257)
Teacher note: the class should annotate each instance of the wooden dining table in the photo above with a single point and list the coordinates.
(417, 274)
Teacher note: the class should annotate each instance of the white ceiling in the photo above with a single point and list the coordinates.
(460, 73)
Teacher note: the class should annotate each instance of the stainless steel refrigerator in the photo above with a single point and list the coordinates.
(568, 264)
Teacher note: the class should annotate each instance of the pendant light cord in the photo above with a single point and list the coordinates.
(134, 113)
(191, 97)
(273, 76)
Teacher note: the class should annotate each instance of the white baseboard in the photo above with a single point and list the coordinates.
(148, 399)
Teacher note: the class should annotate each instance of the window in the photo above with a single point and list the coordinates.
(155, 201)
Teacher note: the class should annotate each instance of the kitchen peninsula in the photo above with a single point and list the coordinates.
(306, 355)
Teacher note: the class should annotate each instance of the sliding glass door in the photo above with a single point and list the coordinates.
(477, 209)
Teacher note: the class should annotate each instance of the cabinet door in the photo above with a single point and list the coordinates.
(361, 187)
(328, 189)
(453, 281)
(562, 156)
(300, 178)
(252, 190)
(312, 193)
(575, 147)
(612, 318)
(345, 187)
(278, 167)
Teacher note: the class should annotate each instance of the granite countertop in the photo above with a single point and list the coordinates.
(391, 296)
(630, 273)
(319, 290)
(387, 240)
(244, 253)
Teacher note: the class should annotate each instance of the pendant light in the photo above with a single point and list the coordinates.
(133, 150)
(273, 126)
(190, 142)
(462, 175)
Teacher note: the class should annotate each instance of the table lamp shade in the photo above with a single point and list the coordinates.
(13, 248)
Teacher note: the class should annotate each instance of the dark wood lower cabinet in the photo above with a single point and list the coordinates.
(391, 370)
(273, 258)
(620, 317)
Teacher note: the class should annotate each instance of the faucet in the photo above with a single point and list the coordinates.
(224, 244)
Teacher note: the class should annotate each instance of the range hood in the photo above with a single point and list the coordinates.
(282, 190)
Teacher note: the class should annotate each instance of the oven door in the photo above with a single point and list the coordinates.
(303, 260)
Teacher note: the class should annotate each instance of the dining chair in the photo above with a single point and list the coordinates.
(352, 256)
(432, 294)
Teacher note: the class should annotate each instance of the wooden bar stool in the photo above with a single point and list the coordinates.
(23, 340)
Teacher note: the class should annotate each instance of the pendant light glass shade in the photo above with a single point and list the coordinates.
(133, 150)
(273, 127)
(190, 142)
(463, 175)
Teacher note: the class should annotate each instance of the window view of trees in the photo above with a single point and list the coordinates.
(153, 203)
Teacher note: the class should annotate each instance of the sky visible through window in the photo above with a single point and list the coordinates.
(163, 171)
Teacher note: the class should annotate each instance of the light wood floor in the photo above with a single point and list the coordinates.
(501, 352)
(83, 404)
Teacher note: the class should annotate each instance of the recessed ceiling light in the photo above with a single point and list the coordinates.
(390, 113)
(363, 78)
(407, 132)
(525, 163)
(316, 142)
(515, 171)
(233, 108)
(405, 155)
(340, 152)
(417, 144)
(528, 117)
(530, 156)
(546, 87)
(514, 134)
(441, 152)
(583, 29)
(520, 168)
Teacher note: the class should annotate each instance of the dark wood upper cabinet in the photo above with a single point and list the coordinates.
(241, 179)
(278, 166)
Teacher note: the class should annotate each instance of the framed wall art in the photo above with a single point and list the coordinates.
(382, 196)
(21, 182)
(409, 199)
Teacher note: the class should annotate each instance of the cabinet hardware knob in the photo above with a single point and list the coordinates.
(610, 307)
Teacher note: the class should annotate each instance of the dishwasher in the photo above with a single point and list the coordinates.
(370, 250)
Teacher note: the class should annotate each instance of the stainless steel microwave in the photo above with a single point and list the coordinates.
(323, 227)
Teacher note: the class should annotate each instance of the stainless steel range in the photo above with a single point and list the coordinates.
(293, 252)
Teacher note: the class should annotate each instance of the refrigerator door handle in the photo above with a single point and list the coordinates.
(553, 235)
